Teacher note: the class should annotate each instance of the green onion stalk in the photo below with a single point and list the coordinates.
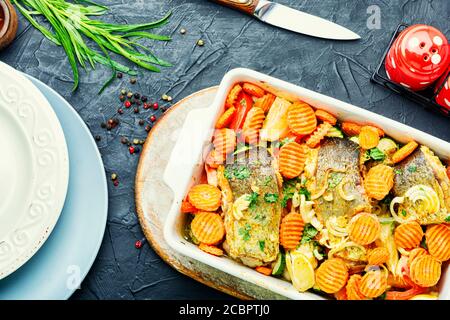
(71, 24)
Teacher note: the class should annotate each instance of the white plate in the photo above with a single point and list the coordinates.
(185, 166)
(34, 170)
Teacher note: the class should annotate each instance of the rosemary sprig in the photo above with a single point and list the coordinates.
(71, 24)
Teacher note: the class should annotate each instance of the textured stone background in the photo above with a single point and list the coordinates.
(338, 69)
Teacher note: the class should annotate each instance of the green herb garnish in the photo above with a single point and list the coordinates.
(376, 154)
(271, 197)
(245, 232)
(398, 171)
(447, 219)
(262, 245)
(228, 173)
(241, 173)
(381, 297)
(242, 147)
(412, 168)
(308, 233)
(286, 140)
(404, 212)
(306, 193)
(423, 243)
(267, 181)
(71, 25)
(335, 179)
(253, 199)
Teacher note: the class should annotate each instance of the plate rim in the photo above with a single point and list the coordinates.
(62, 178)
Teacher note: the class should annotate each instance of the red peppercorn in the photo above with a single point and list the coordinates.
(152, 118)
(116, 183)
(146, 106)
(131, 149)
(127, 104)
(155, 106)
(120, 111)
(138, 244)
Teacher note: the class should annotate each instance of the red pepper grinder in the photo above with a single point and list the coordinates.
(418, 57)
(443, 96)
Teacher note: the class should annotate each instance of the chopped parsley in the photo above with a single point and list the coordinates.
(286, 140)
(305, 192)
(447, 219)
(423, 244)
(267, 181)
(262, 245)
(260, 217)
(245, 232)
(398, 171)
(240, 173)
(335, 179)
(253, 199)
(412, 168)
(271, 197)
(376, 154)
(241, 147)
(404, 212)
(381, 297)
(308, 233)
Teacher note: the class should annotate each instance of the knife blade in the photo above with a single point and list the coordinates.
(294, 20)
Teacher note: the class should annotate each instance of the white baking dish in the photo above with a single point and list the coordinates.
(186, 164)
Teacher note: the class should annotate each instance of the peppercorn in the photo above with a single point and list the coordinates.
(123, 92)
(133, 80)
(200, 43)
(98, 138)
(119, 75)
(155, 106)
(124, 140)
(108, 127)
(127, 104)
(148, 128)
(116, 183)
(183, 31)
(138, 102)
(141, 122)
(135, 141)
(142, 141)
(169, 98)
(129, 95)
(137, 95)
(146, 106)
(153, 118)
(137, 149)
(138, 244)
(113, 176)
(136, 110)
(165, 97)
(103, 125)
(131, 149)
(144, 98)
(120, 111)
(122, 98)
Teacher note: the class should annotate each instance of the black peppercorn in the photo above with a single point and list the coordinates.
(136, 110)
(137, 95)
(124, 140)
(133, 80)
(147, 128)
(144, 99)
(119, 75)
(141, 122)
(103, 125)
(98, 138)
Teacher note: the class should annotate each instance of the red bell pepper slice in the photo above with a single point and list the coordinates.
(243, 105)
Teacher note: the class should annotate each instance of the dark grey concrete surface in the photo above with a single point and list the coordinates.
(339, 69)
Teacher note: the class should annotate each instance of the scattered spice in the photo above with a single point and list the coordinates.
(103, 125)
(124, 140)
(146, 106)
(148, 128)
(155, 106)
(139, 243)
(127, 104)
(120, 111)
(183, 31)
(123, 92)
(153, 118)
(137, 95)
(116, 183)
(131, 149)
(200, 43)
(144, 99)
(119, 75)
(135, 141)
(133, 80)
(113, 176)
(169, 98)
(136, 110)
(122, 98)
(129, 95)
(98, 138)
(141, 122)
(165, 97)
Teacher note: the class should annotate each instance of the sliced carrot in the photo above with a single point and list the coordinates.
(353, 288)
(404, 151)
(373, 284)
(341, 294)
(314, 140)
(438, 241)
(291, 230)
(187, 207)
(408, 235)
(405, 295)
(225, 118)
(364, 228)
(253, 124)
(351, 129)
(292, 159)
(264, 270)
(378, 256)
(301, 118)
(425, 271)
(265, 102)
(224, 141)
(415, 253)
(208, 227)
(205, 197)
(326, 116)
(232, 96)
(332, 275)
(214, 159)
(379, 181)
(253, 90)
(368, 137)
(215, 251)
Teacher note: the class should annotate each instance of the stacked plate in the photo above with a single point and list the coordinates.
(51, 222)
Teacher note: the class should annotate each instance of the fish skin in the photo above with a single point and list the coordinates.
(341, 154)
(427, 171)
(262, 175)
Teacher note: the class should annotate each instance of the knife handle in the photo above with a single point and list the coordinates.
(247, 6)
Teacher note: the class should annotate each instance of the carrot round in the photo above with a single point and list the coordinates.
(292, 159)
(373, 284)
(301, 118)
(379, 181)
(205, 197)
(368, 137)
(353, 288)
(351, 128)
(364, 228)
(232, 96)
(264, 270)
(187, 207)
(377, 256)
(415, 253)
(314, 139)
(408, 235)
(425, 271)
(404, 151)
(253, 90)
(438, 241)
(224, 141)
(326, 116)
(332, 275)
(265, 102)
(253, 124)
(404, 295)
(225, 118)
(208, 227)
(215, 251)
(214, 159)
(291, 230)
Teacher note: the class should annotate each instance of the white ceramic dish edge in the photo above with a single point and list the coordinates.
(186, 163)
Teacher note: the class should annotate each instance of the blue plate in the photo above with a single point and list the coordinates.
(58, 268)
